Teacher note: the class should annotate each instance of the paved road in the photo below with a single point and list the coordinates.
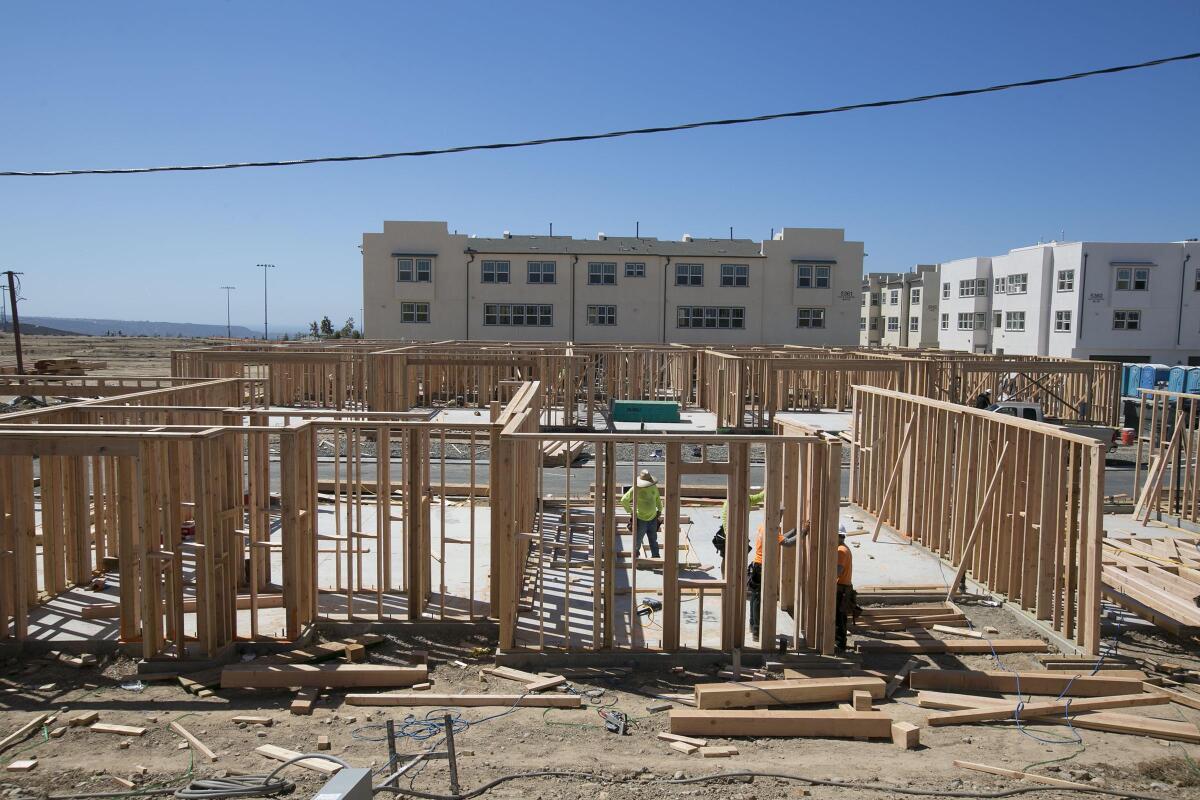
(1117, 479)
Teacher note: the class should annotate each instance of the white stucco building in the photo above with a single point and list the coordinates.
(1118, 301)
(422, 282)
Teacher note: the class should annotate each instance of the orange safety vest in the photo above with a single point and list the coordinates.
(758, 545)
(845, 565)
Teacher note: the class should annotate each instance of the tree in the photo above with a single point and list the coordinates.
(326, 326)
(348, 328)
(313, 328)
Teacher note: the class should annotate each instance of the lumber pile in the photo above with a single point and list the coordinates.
(902, 618)
(65, 366)
(770, 722)
(1157, 578)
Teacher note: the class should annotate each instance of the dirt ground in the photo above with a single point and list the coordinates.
(126, 355)
(502, 741)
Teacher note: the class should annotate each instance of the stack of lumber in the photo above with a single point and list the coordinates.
(321, 676)
(901, 618)
(1157, 578)
(738, 708)
(65, 366)
(919, 640)
(558, 454)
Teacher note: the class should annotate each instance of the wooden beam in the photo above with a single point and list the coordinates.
(467, 700)
(1030, 710)
(279, 676)
(749, 694)
(1030, 682)
(759, 724)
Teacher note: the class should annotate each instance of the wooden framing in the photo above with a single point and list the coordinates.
(1040, 546)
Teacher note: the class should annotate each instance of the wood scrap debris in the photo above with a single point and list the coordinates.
(196, 744)
(320, 765)
(120, 730)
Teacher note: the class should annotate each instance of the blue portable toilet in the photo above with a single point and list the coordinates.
(1176, 379)
(1132, 378)
(1192, 384)
(1152, 375)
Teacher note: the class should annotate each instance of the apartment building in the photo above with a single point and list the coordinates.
(423, 282)
(900, 308)
(1119, 301)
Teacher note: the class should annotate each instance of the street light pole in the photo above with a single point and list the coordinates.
(228, 327)
(265, 267)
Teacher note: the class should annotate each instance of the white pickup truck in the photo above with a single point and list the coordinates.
(1033, 412)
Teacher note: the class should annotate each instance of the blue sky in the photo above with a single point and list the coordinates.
(122, 84)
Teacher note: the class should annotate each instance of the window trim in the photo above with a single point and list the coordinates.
(415, 307)
(1066, 276)
(818, 276)
(702, 315)
(508, 311)
(1062, 320)
(737, 271)
(914, 323)
(638, 272)
(1137, 312)
(595, 311)
(815, 317)
(600, 269)
(1011, 318)
(689, 274)
(415, 270)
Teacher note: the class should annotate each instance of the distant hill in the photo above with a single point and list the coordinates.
(127, 327)
(36, 330)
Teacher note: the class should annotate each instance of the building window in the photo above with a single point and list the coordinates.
(1127, 320)
(414, 270)
(689, 274)
(602, 273)
(981, 287)
(414, 312)
(1198, 279)
(966, 288)
(946, 319)
(810, 318)
(1133, 280)
(1066, 281)
(997, 319)
(542, 271)
(893, 324)
(1062, 321)
(735, 275)
(862, 323)
(874, 299)
(635, 269)
(874, 323)
(710, 317)
(894, 297)
(602, 315)
(914, 324)
(966, 321)
(914, 297)
(980, 321)
(494, 272)
(812, 276)
(521, 314)
(1018, 284)
(945, 291)
(998, 286)
(1014, 320)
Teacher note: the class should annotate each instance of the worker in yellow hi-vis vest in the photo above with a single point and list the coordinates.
(649, 506)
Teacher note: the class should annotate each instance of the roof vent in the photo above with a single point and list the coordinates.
(687, 237)
(508, 234)
(601, 236)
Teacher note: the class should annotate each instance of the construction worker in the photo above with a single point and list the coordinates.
(756, 497)
(846, 602)
(983, 400)
(754, 574)
(649, 510)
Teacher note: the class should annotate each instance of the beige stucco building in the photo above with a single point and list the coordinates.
(900, 309)
(422, 282)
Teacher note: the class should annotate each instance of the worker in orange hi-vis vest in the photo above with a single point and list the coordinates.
(754, 574)
(846, 601)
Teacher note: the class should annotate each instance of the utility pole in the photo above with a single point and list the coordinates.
(3, 306)
(265, 267)
(228, 327)
(12, 296)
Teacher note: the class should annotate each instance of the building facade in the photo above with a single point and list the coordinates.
(1119, 301)
(422, 282)
(899, 309)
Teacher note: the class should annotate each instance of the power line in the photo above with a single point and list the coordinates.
(587, 137)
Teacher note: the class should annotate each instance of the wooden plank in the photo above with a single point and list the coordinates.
(196, 744)
(546, 683)
(246, 719)
(957, 631)
(861, 701)
(282, 754)
(759, 724)
(120, 730)
(718, 752)
(278, 676)
(1030, 682)
(21, 765)
(20, 733)
(748, 694)
(1025, 776)
(1029, 710)
(467, 700)
(684, 747)
(1182, 698)
(674, 737)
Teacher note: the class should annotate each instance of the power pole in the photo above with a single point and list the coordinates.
(228, 327)
(3, 306)
(12, 296)
(265, 267)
